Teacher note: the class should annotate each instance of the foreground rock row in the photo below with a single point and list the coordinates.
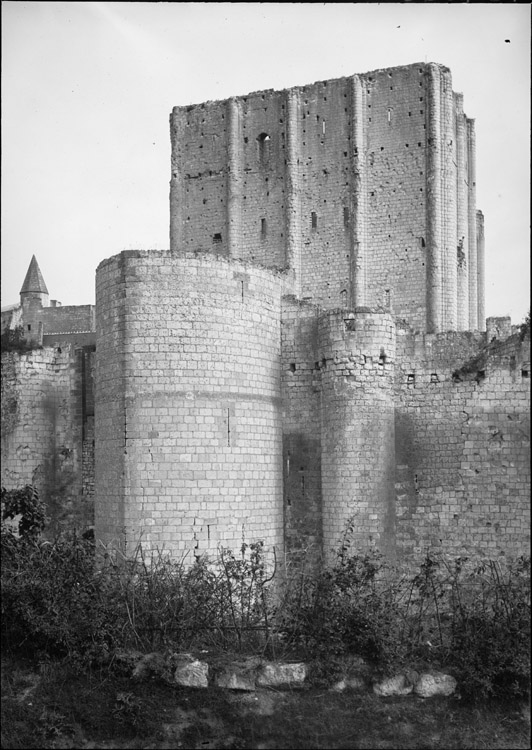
(252, 673)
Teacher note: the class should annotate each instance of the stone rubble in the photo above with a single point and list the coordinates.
(250, 675)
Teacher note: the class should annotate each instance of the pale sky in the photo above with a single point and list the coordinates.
(87, 89)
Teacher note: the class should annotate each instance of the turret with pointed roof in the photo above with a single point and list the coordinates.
(34, 286)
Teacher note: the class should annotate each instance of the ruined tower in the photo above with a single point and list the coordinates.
(363, 186)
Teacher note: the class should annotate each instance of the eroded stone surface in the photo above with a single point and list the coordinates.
(435, 683)
(272, 675)
(191, 672)
(397, 685)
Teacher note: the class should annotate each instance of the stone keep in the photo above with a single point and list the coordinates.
(309, 355)
(363, 186)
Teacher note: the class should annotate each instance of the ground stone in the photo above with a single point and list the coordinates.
(397, 685)
(190, 672)
(435, 683)
(352, 683)
(240, 675)
(273, 675)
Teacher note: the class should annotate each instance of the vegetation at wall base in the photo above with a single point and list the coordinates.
(71, 618)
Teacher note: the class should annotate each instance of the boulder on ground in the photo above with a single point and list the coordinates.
(435, 683)
(349, 683)
(239, 675)
(190, 672)
(273, 675)
(397, 685)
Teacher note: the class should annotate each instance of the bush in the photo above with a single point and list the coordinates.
(14, 340)
(490, 633)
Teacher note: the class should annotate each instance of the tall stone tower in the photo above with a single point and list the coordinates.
(363, 186)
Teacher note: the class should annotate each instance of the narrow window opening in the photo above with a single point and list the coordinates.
(217, 238)
(525, 372)
(242, 290)
(434, 378)
(263, 228)
(29, 327)
(314, 220)
(292, 367)
(411, 379)
(346, 216)
(228, 428)
(264, 148)
(323, 127)
(389, 115)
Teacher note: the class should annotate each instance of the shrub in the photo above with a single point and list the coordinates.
(25, 503)
(490, 632)
(14, 340)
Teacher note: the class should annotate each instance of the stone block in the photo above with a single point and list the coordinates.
(273, 675)
(435, 683)
(190, 672)
(397, 685)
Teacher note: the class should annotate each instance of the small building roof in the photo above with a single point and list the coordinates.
(34, 281)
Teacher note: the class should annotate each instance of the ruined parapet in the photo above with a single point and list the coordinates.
(188, 422)
(357, 355)
(498, 328)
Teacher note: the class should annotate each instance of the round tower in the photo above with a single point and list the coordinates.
(188, 421)
(357, 352)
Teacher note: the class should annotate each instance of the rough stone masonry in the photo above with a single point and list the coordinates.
(311, 352)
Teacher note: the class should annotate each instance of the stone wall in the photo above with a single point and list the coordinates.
(42, 431)
(301, 380)
(462, 442)
(68, 319)
(444, 417)
(188, 407)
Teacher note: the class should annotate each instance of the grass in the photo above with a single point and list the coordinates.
(49, 705)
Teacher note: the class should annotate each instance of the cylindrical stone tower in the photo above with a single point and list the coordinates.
(357, 352)
(188, 423)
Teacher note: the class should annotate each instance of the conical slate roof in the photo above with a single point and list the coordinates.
(34, 281)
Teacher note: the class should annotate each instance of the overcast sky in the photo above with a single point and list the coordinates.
(87, 89)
